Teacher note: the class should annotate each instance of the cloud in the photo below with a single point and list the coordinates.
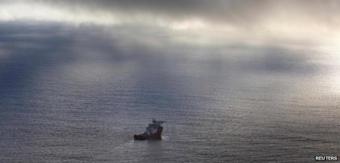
(242, 13)
(198, 23)
(203, 22)
(220, 11)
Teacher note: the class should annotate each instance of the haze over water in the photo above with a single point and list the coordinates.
(235, 81)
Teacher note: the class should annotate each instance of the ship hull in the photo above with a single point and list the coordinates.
(139, 137)
(155, 136)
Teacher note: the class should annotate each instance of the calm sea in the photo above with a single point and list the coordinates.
(79, 94)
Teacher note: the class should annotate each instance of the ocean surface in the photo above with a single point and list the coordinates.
(75, 94)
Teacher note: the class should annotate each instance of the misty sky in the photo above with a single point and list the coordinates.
(303, 22)
(295, 31)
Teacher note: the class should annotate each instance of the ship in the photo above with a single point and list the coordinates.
(152, 132)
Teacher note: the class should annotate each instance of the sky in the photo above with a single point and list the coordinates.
(283, 23)
(282, 35)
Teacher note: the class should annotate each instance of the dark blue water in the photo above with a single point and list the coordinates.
(78, 94)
